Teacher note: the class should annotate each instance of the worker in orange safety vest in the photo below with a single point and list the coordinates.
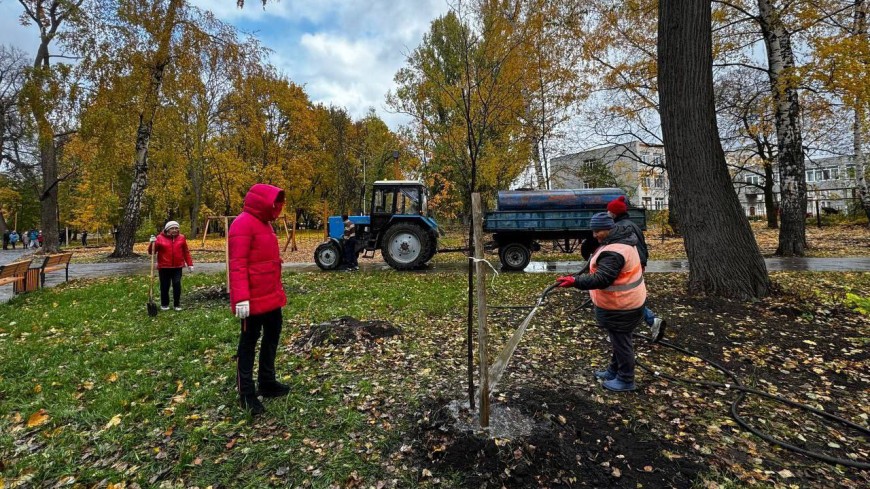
(615, 283)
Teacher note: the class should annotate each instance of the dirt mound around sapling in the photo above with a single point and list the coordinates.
(211, 293)
(346, 330)
(575, 442)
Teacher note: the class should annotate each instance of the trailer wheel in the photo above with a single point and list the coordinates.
(327, 256)
(514, 256)
(406, 246)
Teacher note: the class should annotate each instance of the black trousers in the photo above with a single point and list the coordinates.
(270, 323)
(350, 256)
(170, 276)
(622, 361)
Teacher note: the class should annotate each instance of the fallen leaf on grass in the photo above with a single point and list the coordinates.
(38, 418)
(616, 473)
(115, 421)
(231, 444)
(785, 473)
(647, 468)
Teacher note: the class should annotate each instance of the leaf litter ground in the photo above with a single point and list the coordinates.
(97, 393)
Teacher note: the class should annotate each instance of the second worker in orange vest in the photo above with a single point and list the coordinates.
(615, 283)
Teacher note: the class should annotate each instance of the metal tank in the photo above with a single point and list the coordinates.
(565, 199)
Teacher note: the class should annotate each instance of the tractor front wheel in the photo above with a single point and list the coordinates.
(405, 246)
(327, 256)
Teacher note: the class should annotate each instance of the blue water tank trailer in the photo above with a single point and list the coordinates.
(523, 218)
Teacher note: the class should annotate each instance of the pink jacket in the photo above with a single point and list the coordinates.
(255, 263)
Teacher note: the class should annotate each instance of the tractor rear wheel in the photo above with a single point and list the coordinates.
(405, 246)
(327, 256)
(514, 256)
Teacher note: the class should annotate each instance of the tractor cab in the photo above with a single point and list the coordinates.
(398, 225)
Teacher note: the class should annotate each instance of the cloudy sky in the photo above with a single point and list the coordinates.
(345, 52)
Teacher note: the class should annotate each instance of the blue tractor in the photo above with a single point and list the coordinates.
(397, 225)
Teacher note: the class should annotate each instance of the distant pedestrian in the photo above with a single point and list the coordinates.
(40, 239)
(350, 255)
(13, 238)
(33, 238)
(84, 238)
(172, 256)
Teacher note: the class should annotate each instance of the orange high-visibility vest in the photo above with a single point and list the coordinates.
(628, 291)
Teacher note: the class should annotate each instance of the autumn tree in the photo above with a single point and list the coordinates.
(724, 258)
(43, 90)
(463, 87)
(747, 130)
(843, 71)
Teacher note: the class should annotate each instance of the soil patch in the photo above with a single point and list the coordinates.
(575, 442)
(213, 293)
(346, 330)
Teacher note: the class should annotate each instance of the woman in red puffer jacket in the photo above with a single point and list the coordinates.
(172, 256)
(256, 293)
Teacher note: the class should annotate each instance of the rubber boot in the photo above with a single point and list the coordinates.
(618, 385)
(273, 388)
(249, 402)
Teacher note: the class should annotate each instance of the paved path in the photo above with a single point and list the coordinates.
(97, 270)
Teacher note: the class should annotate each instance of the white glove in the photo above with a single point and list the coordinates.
(243, 309)
(152, 239)
(190, 268)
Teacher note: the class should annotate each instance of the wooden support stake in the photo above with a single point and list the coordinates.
(480, 272)
(291, 235)
(205, 231)
(227, 249)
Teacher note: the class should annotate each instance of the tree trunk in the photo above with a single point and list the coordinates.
(673, 220)
(724, 258)
(539, 166)
(860, 30)
(783, 86)
(130, 222)
(770, 207)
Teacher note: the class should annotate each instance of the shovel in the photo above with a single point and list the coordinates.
(152, 307)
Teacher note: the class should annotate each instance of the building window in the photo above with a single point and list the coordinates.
(660, 203)
(752, 211)
(647, 202)
(753, 180)
(660, 181)
(589, 163)
(823, 174)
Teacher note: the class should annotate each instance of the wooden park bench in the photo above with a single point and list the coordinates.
(55, 263)
(14, 273)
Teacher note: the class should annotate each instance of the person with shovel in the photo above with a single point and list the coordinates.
(616, 286)
(173, 255)
(257, 294)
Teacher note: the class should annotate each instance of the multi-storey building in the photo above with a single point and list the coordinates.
(636, 167)
(639, 169)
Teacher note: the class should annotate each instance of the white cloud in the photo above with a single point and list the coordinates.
(344, 52)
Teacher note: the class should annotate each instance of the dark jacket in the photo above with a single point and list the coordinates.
(642, 251)
(609, 264)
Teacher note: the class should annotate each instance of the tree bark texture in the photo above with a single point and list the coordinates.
(783, 85)
(724, 258)
(132, 217)
(771, 209)
(860, 30)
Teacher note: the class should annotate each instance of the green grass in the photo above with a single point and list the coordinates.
(131, 398)
(88, 352)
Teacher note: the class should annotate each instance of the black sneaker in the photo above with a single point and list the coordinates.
(249, 402)
(273, 389)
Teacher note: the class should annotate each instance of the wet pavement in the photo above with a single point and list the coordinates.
(98, 270)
